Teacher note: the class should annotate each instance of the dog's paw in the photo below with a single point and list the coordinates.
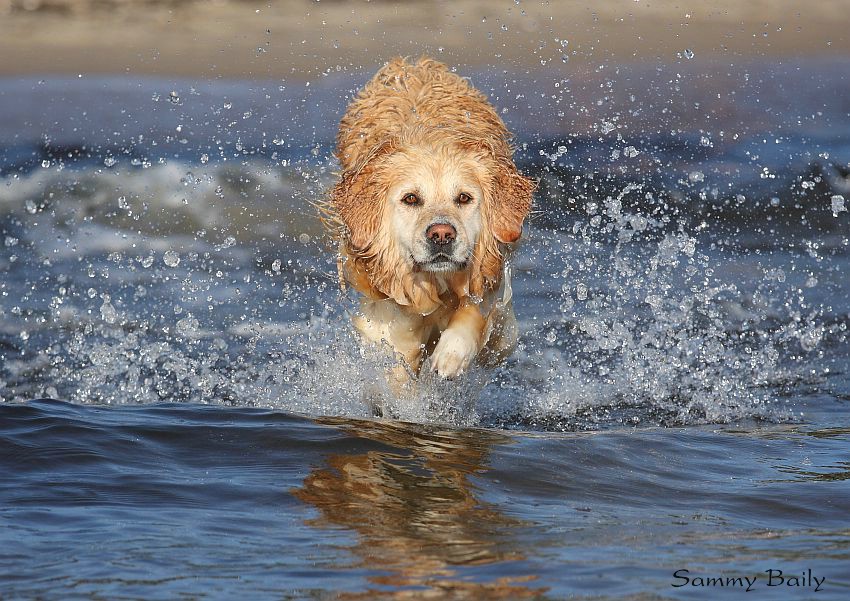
(453, 354)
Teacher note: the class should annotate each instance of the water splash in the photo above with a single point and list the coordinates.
(667, 298)
(630, 324)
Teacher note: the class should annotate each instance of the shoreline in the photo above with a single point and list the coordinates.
(301, 39)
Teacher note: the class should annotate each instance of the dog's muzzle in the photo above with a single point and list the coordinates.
(441, 235)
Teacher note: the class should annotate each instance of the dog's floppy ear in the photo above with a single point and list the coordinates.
(507, 204)
(510, 194)
(357, 199)
(511, 202)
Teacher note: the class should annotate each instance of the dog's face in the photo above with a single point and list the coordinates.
(433, 204)
(430, 202)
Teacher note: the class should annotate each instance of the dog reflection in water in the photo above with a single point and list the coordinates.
(415, 513)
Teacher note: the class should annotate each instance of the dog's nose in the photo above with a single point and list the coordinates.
(441, 233)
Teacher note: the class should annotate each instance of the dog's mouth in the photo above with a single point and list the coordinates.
(441, 262)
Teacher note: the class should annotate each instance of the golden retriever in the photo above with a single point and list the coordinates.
(428, 203)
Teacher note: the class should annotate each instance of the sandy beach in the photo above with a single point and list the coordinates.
(300, 39)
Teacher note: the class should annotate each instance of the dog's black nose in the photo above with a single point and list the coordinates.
(441, 233)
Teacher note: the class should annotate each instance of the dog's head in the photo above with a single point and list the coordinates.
(434, 202)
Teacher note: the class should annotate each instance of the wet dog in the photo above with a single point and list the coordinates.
(429, 203)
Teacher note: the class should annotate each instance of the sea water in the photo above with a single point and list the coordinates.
(182, 391)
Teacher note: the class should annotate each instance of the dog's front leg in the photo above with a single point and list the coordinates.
(387, 325)
(460, 342)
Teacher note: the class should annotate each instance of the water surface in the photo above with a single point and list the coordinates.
(679, 400)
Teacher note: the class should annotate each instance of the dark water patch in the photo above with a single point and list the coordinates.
(157, 501)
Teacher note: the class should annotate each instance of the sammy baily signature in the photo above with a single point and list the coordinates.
(771, 577)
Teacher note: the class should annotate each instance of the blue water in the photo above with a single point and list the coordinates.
(170, 500)
(679, 399)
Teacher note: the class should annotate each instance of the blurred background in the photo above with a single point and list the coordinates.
(303, 38)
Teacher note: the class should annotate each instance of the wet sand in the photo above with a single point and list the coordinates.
(300, 39)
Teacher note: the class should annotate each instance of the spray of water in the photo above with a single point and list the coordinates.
(135, 279)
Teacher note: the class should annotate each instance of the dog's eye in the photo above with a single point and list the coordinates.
(410, 199)
(463, 198)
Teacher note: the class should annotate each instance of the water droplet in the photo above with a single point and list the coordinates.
(171, 258)
(837, 204)
(581, 292)
(107, 311)
(188, 326)
(688, 53)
